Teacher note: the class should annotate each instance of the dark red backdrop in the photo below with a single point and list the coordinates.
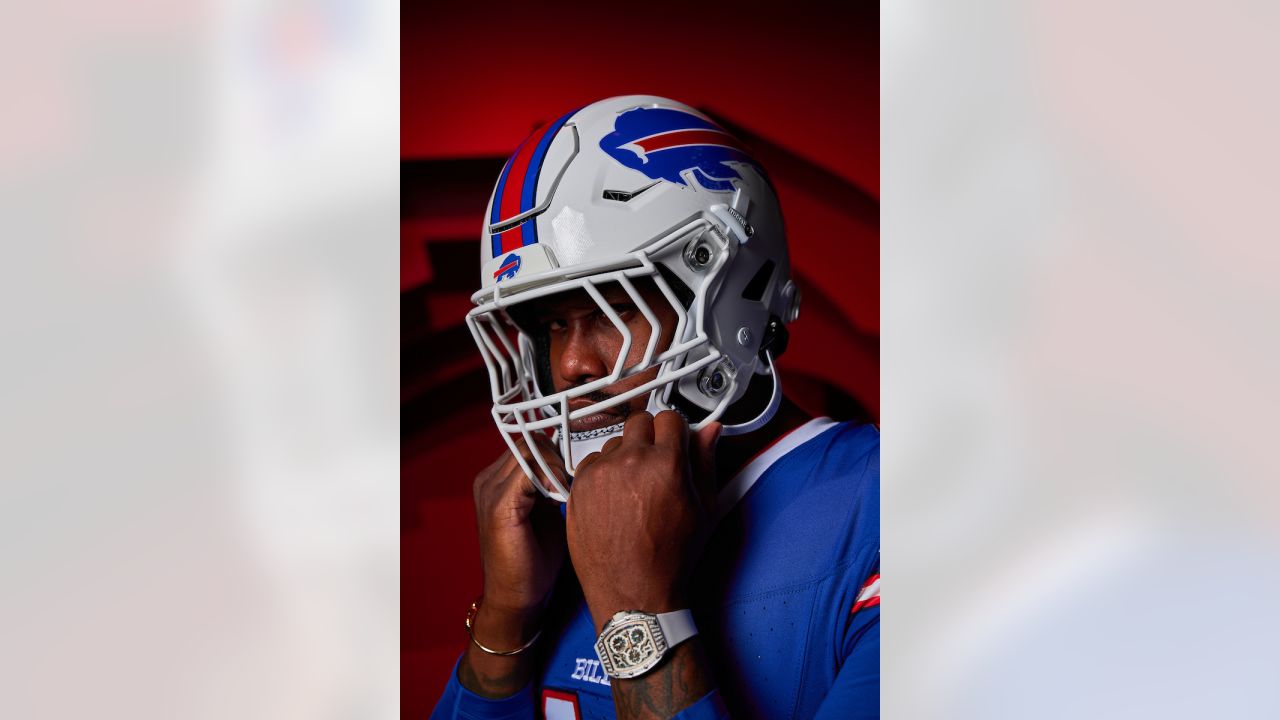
(802, 92)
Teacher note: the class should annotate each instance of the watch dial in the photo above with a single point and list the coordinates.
(630, 645)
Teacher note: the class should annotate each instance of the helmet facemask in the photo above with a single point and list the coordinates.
(526, 405)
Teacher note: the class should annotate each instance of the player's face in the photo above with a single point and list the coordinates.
(585, 345)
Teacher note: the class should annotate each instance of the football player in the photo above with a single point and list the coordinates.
(667, 535)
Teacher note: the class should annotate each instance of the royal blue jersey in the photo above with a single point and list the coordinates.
(786, 597)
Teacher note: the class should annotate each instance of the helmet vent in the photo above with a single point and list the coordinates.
(755, 288)
(623, 195)
(499, 229)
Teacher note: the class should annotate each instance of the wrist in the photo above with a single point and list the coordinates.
(494, 670)
(603, 608)
(496, 626)
(513, 598)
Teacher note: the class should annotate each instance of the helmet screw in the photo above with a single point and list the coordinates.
(698, 255)
(715, 380)
(744, 337)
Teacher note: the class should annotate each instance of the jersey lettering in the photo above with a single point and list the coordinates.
(588, 670)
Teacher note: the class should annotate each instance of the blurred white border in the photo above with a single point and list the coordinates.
(1079, 312)
(200, 426)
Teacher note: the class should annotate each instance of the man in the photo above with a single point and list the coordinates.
(636, 291)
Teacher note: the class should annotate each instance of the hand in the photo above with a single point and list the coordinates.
(522, 548)
(638, 515)
(522, 541)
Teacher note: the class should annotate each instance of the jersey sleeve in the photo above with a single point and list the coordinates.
(856, 692)
(459, 703)
(709, 707)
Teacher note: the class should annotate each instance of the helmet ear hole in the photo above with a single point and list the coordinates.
(758, 282)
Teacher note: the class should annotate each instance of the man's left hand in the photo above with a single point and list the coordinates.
(638, 515)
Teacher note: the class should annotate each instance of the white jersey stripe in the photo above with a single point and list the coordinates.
(870, 591)
(747, 476)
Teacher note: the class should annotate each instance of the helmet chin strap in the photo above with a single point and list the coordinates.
(759, 421)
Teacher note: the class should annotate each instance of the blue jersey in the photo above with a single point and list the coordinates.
(786, 597)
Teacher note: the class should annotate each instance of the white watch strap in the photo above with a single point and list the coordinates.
(677, 626)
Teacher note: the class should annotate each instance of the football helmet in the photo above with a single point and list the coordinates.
(623, 189)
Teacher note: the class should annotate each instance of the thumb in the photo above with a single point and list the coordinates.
(702, 453)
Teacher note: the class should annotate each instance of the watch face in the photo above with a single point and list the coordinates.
(630, 645)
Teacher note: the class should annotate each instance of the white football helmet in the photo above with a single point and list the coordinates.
(626, 188)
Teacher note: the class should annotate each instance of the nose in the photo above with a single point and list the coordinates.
(582, 357)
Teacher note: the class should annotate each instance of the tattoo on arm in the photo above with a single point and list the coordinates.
(681, 680)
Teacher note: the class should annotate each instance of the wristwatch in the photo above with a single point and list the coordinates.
(632, 643)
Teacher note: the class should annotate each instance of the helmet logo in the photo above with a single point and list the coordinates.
(509, 268)
(665, 144)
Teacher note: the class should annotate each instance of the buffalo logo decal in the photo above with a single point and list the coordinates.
(509, 268)
(665, 144)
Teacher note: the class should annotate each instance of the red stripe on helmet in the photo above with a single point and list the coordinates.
(511, 239)
(676, 138)
(510, 206)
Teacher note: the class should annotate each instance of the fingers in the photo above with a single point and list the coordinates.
(639, 429)
(609, 446)
(515, 472)
(670, 429)
(586, 462)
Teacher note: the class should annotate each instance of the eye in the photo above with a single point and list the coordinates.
(625, 311)
(554, 325)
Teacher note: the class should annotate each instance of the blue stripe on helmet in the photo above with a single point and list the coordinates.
(529, 192)
(528, 195)
(497, 202)
(529, 232)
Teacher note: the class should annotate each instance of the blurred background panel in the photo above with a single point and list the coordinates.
(803, 93)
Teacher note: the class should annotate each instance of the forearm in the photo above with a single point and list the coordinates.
(498, 676)
(681, 680)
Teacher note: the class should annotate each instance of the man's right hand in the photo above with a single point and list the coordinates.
(522, 542)
(522, 548)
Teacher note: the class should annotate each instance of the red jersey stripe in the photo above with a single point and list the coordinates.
(868, 595)
(864, 604)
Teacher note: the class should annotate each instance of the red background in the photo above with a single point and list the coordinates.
(802, 92)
